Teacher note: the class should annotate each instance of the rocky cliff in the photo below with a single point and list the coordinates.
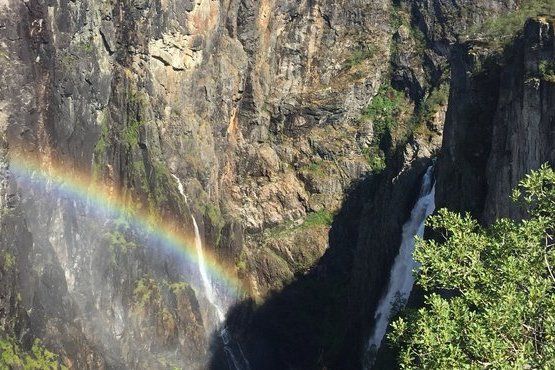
(298, 131)
(499, 124)
(253, 106)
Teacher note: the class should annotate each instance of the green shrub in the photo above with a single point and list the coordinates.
(241, 264)
(385, 110)
(178, 287)
(117, 240)
(395, 120)
(388, 112)
(437, 99)
(321, 218)
(9, 260)
(317, 219)
(216, 220)
(547, 70)
(13, 357)
(130, 134)
(396, 17)
(359, 55)
(86, 46)
(214, 215)
(161, 183)
(146, 290)
(499, 311)
(317, 167)
(401, 16)
(375, 158)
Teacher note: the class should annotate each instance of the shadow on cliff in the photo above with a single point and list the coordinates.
(321, 319)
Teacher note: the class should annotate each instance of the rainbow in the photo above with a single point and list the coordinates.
(107, 199)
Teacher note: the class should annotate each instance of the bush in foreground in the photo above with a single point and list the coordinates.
(490, 292)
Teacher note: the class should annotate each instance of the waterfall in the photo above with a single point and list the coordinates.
(180, 188)
(401, 279)
(231, 347)
(234, 353)
(205, 279)
(206, 283)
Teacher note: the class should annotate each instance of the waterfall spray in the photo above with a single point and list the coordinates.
(401, 279)
(231, 347)
(207, 284)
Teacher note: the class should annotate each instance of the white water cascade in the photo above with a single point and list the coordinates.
(401, 279)
(206, 283)
(230, 346)
(180, 188)
(207, 286)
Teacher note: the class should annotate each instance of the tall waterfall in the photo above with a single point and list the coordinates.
(401, 280)
(233, 351)
(206, 283)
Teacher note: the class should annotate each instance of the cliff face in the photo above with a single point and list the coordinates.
(254, 106)
(499, 125)
(275, 117)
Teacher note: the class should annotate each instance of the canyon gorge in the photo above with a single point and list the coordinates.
(224, 184)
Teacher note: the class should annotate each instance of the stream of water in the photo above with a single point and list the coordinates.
(206, 282)
(401, 279)
(234, 354)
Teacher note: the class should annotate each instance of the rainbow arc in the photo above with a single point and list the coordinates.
(106, 199)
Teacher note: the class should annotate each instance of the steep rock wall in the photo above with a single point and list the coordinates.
(255, 106)
(499, 124)
(237, 99)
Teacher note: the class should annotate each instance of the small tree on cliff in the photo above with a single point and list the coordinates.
(490, 292)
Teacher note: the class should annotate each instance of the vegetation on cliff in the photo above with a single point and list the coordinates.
(489, 290)
(12, 356)
(500, 30)
(547, 70)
